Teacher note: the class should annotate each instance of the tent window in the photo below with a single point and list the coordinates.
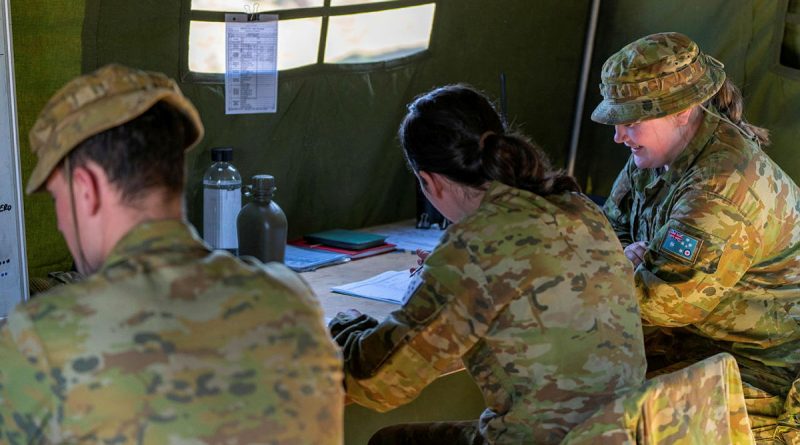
(790, 46)
(314, 32)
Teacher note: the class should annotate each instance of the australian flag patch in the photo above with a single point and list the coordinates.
(681, 246)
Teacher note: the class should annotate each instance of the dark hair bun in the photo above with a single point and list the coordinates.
(455, 131)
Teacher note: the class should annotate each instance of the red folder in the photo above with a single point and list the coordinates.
(353, 254)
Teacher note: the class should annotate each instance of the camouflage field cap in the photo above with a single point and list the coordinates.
(96, 102)
(656, 76)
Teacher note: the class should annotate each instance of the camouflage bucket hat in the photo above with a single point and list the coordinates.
(96, 102)
(656, 76)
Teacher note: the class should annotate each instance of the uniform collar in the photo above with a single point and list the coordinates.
(495, 190)
(153, 236)
(499, 192)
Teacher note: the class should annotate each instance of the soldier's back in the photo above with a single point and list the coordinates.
(568, 336)
(172, 344)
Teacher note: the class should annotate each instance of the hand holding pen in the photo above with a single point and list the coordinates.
(421, 256)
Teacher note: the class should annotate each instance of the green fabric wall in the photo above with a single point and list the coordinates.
(332, 144)
(744, 34)
(47, 53)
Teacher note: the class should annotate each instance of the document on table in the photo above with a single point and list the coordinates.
(394, 286)
(304, 260)
(251, 69)
(409, 238)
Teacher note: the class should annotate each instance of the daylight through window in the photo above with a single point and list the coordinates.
(317, 31)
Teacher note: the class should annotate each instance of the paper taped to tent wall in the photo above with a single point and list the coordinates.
(332, 144)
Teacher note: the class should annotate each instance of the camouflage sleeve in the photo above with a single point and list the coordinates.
(28, 389)
(389, 364)
(704, 249)
(617, 207)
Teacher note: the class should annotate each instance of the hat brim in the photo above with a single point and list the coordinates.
(613, 112)
(94, 119)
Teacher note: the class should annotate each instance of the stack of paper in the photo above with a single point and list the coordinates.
(303, 260)
(407, 237)
(392, 286)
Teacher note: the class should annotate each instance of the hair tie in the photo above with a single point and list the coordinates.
(483, 138)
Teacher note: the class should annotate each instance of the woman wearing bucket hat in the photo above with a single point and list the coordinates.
(709, 221)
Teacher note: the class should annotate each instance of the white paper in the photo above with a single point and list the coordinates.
(13, 262)
(394, 286)
(251, 66)
(409, 238)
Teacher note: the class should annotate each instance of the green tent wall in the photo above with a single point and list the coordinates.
(47, 53)
(332, 144)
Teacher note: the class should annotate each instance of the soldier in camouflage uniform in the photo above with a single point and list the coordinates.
(165, 342)
(709, 221)
(529, 289)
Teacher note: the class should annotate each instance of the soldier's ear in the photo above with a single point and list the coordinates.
(432, 183)
(86, 189)
(682, 118)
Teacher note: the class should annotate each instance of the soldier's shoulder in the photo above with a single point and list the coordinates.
(63, 296)
(728, 151)
(279, 281)
(727, 160)
(52, 312)
(273, 274)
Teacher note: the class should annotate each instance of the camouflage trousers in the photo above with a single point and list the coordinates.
(435, 433)
(772, 394)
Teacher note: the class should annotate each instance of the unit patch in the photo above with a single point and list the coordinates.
(681, 246)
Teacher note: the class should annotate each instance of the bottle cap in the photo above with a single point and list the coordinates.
(263, 183)
(222, 154)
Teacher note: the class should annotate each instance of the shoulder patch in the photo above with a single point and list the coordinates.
(681, 246)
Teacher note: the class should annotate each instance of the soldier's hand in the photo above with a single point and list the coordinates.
(635, 252)
(349, 322)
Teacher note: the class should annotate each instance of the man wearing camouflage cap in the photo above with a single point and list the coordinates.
(709, 221)
(165, 341)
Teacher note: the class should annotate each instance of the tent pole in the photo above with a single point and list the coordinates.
(588, 49)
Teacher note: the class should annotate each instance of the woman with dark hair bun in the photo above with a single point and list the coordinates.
(455, 131)
(529, 288)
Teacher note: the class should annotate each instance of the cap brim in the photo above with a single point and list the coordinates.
(611, 112)
(72, 131)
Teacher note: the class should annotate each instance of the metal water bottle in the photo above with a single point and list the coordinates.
(261, 224)
(222, 200)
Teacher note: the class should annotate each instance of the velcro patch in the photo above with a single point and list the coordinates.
(681, 246)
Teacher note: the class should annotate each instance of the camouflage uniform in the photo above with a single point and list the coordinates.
(700, 404)
(534, 295)
(171, 343)
(167, 343)
(733, 285)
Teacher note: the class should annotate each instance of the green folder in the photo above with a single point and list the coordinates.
(346, 239)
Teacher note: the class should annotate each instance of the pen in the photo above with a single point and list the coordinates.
(415, 271)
